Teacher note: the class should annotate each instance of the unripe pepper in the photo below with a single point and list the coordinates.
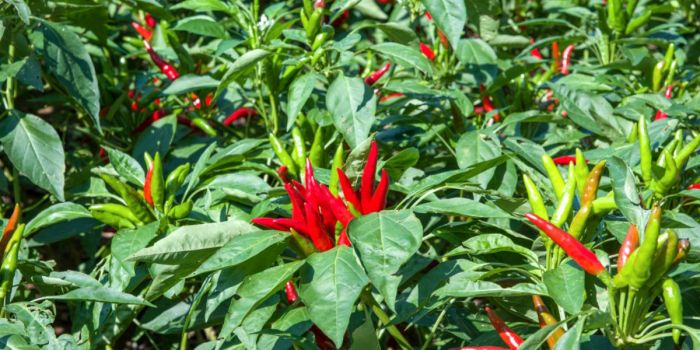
(316, 154)
(578, 252)
(553, 174)
(683, 249)
(645, 161)
(641, 269)
(629, 244)
(592, 183)
(545, 317)
(508, 336)
(561, 213)
(283, 155)
(657, 75)
(581, 170)
(666, 251)
(674, 305)
(687, 151)
(299, 148)
(337, 164)
(157, 183)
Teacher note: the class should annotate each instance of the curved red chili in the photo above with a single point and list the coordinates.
(487, 104)
(163, 65)
(143, 32)
(566, 59)
(508, 336)
(378, 74)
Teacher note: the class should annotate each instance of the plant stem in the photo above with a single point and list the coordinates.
(433, 329)
(385, 320)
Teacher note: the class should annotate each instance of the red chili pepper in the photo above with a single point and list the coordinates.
(147, 186)
(487, 104)
(150, 21)
(9, 228)
(103, 155)
(157, 114)
(350, 195)
(240, 113)
(480, 348)
(556, 58)
(508, 336)
(443, 39)
(367, 185)
(566, 59)
(283, 172)
(145, 33)
(428, 16)
(694, 186)
(427, 51)
(577, 251)
(391, 96)
(629, 244)
(209, 99)
(535, 52)
(341, 19)
(668, 94)
(163, 65)
(319, 4)
(385, 2)
(291, 292)
(565, 160)
(372, 78)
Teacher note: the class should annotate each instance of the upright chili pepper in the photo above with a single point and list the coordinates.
(683, 249)
(508, 336)
(641, 269)
(150, 21)
(163, 65)
(556, 56)
(629, 244)
(657, 75)
(143, 32)
(427, 51)
(561, 213)
(577, 251)
(9, 229)
(581, 170)
(553, 174)
(535, 52)
(291, 292)
(298, 148)
(566, 59)
(487, 104)
(592, 183)
(372, 78)
(687, 151)
(239, 113)
(545, 317)
(316, 154)
(283, 155)
(9, 263)
(147, 186)
(157, 183)
(674, 305)
(337, 164)
(535, 198)
(644, 150)
(666, 251)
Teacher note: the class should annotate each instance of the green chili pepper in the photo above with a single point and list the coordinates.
(9, 263)
(671, 174)
(581, 169)
(283, 155)
(592, 183)
(554, 175)
(674, 305)
(687, 151)
(316, 153)
(320, 38)
(299, 150)
(641, 269)
(657, 75)
(302, 244)
(666, 251)
(632, 137)
(337, 164)
(604, 204)
(176, 178)
(535, 198)
(314, 23)
(158, 183)
(204, 125)
(671, 73)
(117, 210)
(181, 210)
(668, 57)
(622, 279)
(561, 213)
(133, 200)
(670, 147)
(615, 15)
(638, 21)
(112, 219)
(644, 150)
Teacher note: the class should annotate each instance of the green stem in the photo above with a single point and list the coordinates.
(10, 87)
(195, 303)
(385, 320)
(433, 329)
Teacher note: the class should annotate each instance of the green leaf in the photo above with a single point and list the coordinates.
(352, 104)
(492, 243)
(240, 68)
(126, 166)
(299, 92)
(156, 138)
(450, 16)
(399, 33)
(35, 149)
(406, 56)
(330, 284)
(474, 147)
(461, 207)
(54, 214)
(100, 294)
(571, 340)
(385, 241)
(625, 189)
(566, 286)
(254, 291)
(202, 5)
(128, 242)
(192, 243)
(241, 248)
(67, 59)
(467, 288)
(190, 82)
(201, 25)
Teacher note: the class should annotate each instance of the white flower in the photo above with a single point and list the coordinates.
(265, 23)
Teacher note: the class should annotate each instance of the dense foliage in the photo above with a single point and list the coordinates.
(356, 174)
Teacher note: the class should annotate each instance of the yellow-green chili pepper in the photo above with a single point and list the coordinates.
(641, 269)
(316, 152)
(656, 76)
(554, 175)
(283, 155)
(644, 151)
(337, 164)
(674, 305)
(158, 183)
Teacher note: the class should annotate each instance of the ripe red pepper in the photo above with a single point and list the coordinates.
(240, 113)
(341, 19)
(369, 199)
(508, 336)
(9, 229)
(480, 348)
(668, 94)
(157, 114)
(150, 21)
(535, 52)
(629, 244)
(145, 33)
(291, 292)
(319, 4)
(566, 59)
(283, 173)
(372, 78)
(163, 65)
(487, 104)
(147, 186)
(556, 55)
(427, 51)
(428, 16)
(391, 96)
(565, 160)
(694, 186)
(577, 251)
